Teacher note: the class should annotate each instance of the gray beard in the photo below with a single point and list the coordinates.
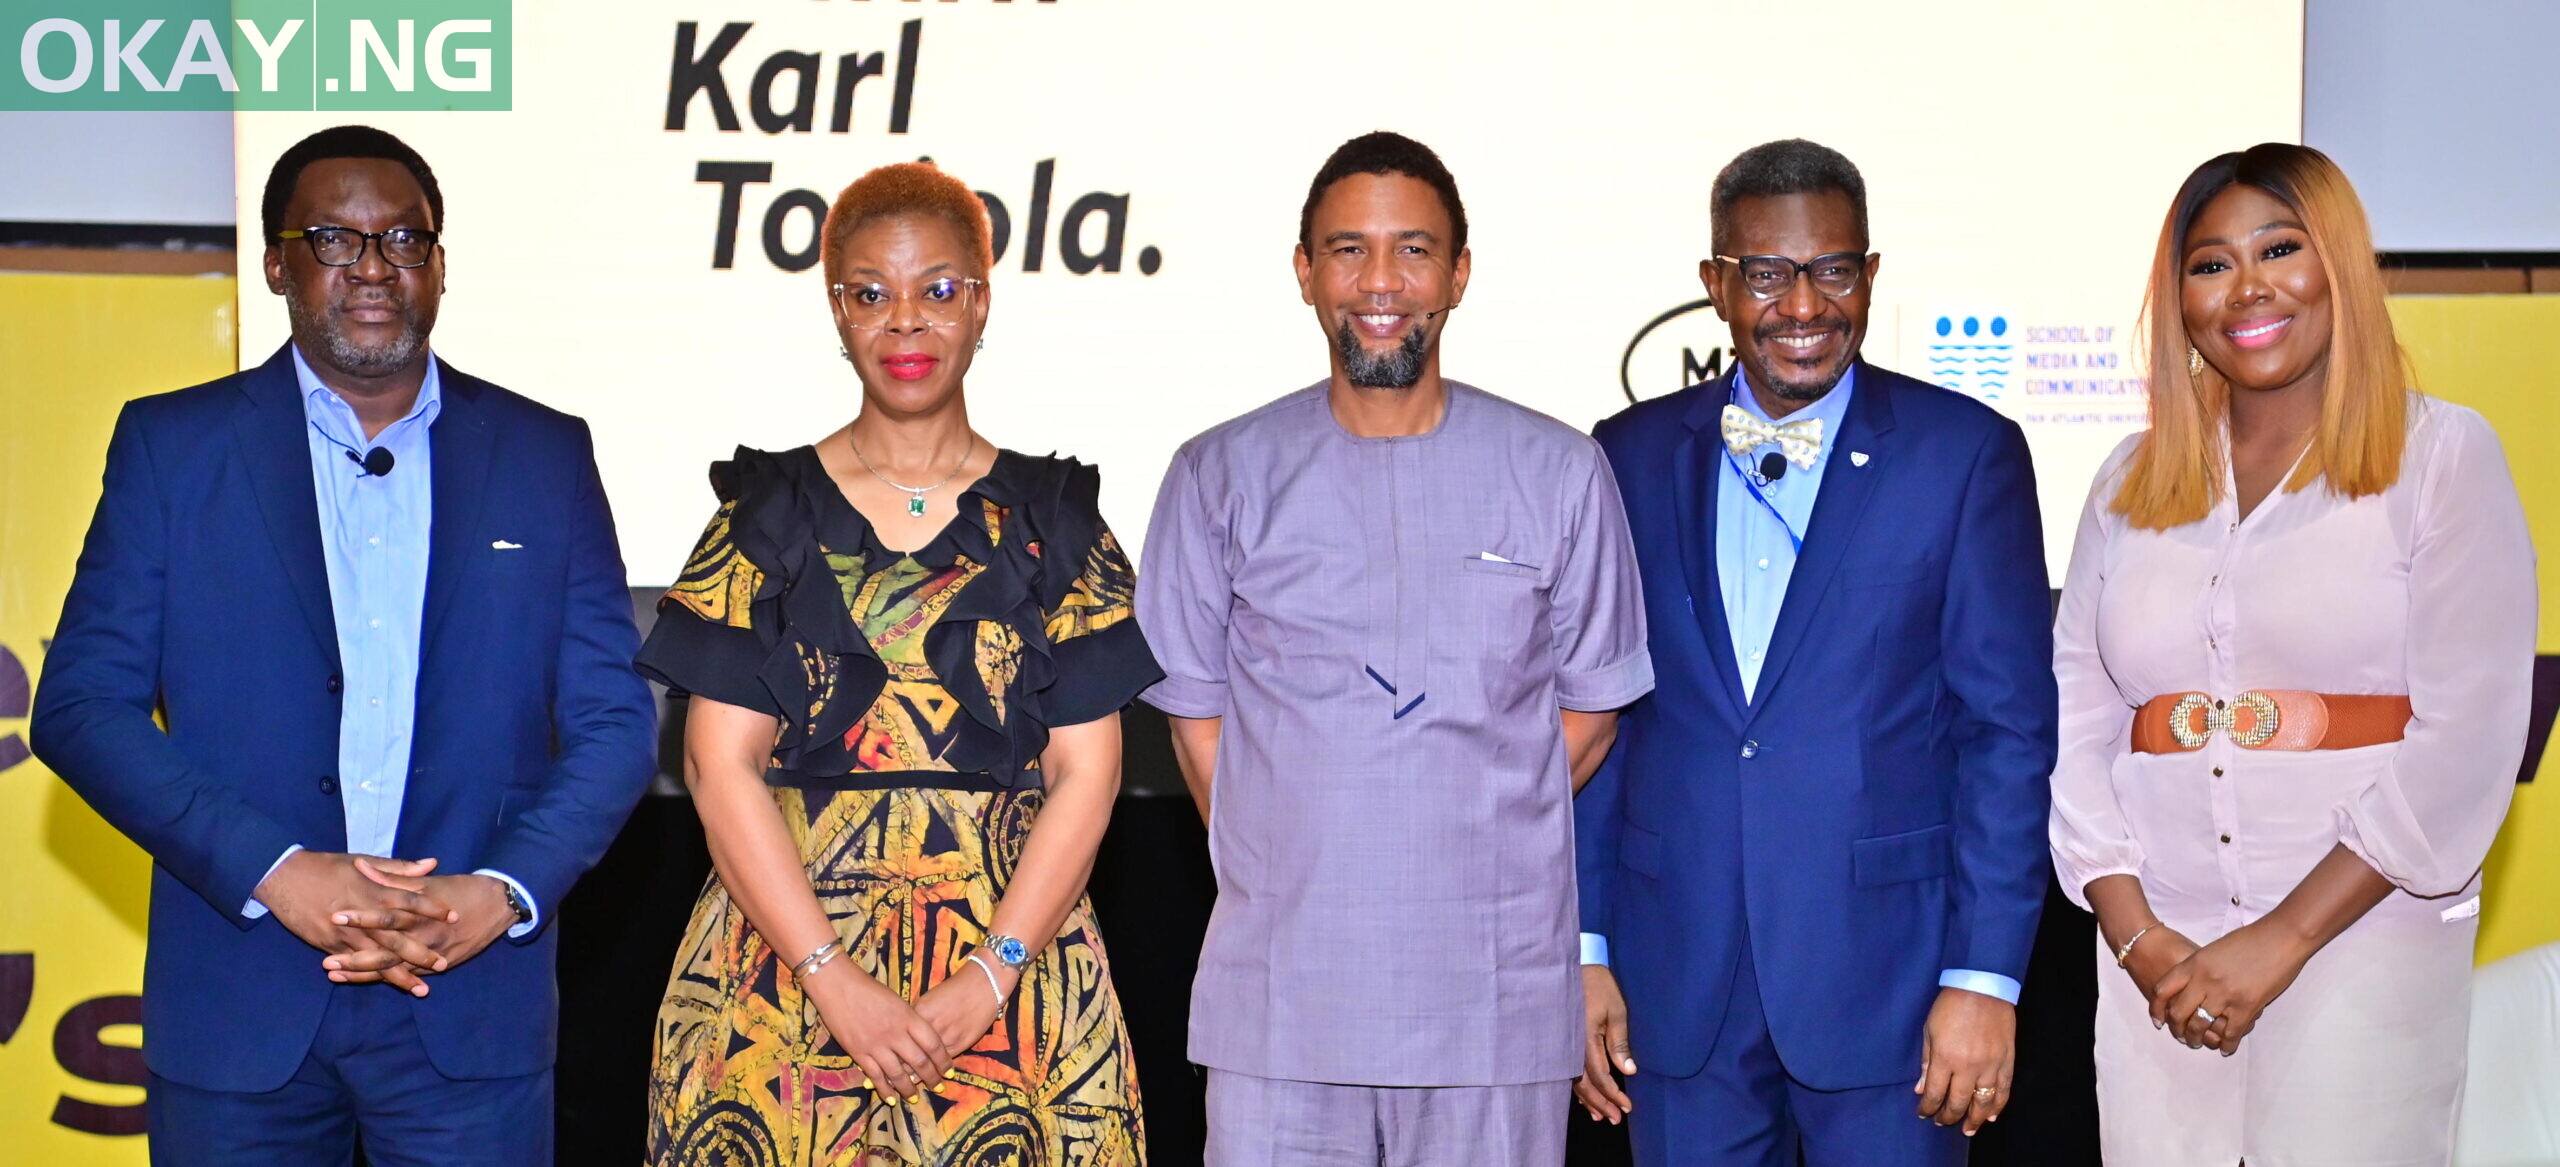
(1397, 368)
(345, 355)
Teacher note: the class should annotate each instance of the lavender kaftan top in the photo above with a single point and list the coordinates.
(1387, 627)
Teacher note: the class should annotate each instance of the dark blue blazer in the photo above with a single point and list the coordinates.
(1877, 814)
(202, 595)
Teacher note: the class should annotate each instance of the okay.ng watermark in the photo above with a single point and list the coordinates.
(257, 54)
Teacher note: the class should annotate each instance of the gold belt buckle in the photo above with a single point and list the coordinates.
(2224, 717)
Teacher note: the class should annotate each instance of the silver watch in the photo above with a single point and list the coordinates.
(1013, 952)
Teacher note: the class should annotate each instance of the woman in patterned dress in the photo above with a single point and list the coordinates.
(906, 652)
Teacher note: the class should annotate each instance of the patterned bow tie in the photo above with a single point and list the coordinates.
(1801, 441)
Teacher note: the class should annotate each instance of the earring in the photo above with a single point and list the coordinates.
(2195, 362)
(844, 352)
(982, 344)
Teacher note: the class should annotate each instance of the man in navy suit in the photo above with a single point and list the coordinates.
(380, 605)
(1815, 860)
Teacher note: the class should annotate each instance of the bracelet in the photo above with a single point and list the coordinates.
(2126, 953)
(992, 986)
(818, 960)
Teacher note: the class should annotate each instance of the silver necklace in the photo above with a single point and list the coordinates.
(915, 494)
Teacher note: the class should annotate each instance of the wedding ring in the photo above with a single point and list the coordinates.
(2203, 1016)
(1983, 1092)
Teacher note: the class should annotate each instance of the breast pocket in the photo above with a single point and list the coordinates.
(1503, 608)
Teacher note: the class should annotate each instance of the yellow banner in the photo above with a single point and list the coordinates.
(2500, 355)
(73, 892)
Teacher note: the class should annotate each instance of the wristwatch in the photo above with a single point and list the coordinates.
(516, 904)
(1014, 953)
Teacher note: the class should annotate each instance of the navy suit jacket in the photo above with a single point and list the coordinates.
(202, 594)
(1877, 814)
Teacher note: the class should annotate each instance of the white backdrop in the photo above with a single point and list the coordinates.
(2018, 157)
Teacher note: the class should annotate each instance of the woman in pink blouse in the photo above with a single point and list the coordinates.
(2295, 650)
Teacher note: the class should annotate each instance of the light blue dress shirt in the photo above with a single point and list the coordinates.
(1756, 556)
(374, 535)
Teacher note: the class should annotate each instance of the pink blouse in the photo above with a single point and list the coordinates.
(2427, 589)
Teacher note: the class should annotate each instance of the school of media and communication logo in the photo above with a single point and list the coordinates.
(1973, 355)
(257, 54)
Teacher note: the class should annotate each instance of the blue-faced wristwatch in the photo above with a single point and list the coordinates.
(1014, 953)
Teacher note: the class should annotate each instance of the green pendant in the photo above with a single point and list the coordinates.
(915, 506)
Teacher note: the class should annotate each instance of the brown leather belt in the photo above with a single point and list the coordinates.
(2269, 719)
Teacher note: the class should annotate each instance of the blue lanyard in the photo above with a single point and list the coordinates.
(1738, 472)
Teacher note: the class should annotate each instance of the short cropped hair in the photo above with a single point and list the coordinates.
(903, 189)
(342, 142)
(1383, 152)
(1785, 167)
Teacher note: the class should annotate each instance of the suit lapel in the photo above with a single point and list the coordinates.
(271, 430)
(1697, 468)
(1846, 487)
(462, 445)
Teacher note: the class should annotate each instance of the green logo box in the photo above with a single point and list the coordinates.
(352, 55)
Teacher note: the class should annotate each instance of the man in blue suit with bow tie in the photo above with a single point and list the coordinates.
(1811, 870)
(380, 605)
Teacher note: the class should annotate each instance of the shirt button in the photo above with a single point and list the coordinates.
(373, 541)
(376, 702)
(373, 623)
(2235, 901)
(1764, 565)
(2217, 771)
(1750, 750)
(366, 785)
(1755, 654)
(2226, 838)
(328, 784)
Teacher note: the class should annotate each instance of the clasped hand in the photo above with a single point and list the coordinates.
(387, 920)
(2233, 980)
(905, 1049)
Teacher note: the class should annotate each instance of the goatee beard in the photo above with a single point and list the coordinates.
(1397, 368)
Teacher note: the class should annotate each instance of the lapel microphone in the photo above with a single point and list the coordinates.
(1428, 317)
(378, 461)
(1773, 465)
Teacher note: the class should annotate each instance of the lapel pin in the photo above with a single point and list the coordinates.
(1857, 457)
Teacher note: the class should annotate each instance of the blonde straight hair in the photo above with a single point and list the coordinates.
(2175, 475)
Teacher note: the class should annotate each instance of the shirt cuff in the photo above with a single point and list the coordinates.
(1987, 984)
(1613, 687)
(1595, 949)
(519, 931)
(253, 909)
(1187, 697)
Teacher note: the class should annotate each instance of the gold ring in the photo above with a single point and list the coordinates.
(1984, 1092)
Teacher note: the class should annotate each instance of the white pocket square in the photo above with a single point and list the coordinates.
(503, 545)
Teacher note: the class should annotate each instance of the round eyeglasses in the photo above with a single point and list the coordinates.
(1771, 276)
(941, 303)
(402, 247)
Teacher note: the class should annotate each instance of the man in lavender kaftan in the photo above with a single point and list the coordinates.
(1398, 615)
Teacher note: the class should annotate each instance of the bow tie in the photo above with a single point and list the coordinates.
(1801, 441)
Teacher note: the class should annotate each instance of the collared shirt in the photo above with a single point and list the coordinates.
(1387, 628)
(374, 532)
(1755, 559)
(1755, 554)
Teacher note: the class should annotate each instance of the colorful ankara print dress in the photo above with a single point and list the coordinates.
(915, 692)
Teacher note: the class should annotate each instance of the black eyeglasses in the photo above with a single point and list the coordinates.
(1770, 276)
(402, 247)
